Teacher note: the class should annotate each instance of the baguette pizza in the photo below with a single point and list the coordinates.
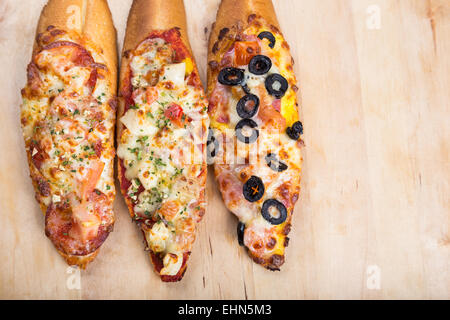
(162, 133)
(68, 121)
(255, 129)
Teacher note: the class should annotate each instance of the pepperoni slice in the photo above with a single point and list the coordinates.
(175, 113)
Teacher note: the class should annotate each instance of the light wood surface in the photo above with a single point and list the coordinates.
(373, 219)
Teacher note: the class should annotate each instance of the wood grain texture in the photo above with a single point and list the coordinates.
(375, 189)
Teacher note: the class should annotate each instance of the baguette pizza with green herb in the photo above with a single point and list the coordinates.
(162, 133)
(68, 121)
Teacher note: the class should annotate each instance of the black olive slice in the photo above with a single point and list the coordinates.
(282, 212)
(298, 127)
(276, 85)
(260, 65)
(253, 189)
(212, 145)
(269, 36)
(295, 131)
(248, 106)
(231, 76)
(247, 123)
(240, 233)
(275, 164)
(246, 88)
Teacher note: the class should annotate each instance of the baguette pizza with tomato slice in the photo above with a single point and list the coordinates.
(162, 133)
(254, 117)
(68, 121)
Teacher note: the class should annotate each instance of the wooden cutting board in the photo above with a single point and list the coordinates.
(373, 218)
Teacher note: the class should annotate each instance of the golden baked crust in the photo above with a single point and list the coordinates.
(89, 18)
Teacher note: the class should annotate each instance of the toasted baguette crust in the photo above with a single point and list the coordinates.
(80, 261)
(146, 16)
(234, 13)
(91, 19)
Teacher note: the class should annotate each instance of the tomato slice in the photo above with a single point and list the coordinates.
(92, 177)
(245, 51)
(86, 225)
(175, 113)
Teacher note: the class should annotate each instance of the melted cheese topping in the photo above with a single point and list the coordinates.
(161, 147)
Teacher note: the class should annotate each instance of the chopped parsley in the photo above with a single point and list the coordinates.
(137, 152)
(142, 139)
(178, 172)
(159, 162)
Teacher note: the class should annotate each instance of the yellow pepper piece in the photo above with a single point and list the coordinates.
(189, 66)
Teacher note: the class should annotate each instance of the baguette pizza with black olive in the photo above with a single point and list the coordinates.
(254, 139)
(68, 121)
(162, 133)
